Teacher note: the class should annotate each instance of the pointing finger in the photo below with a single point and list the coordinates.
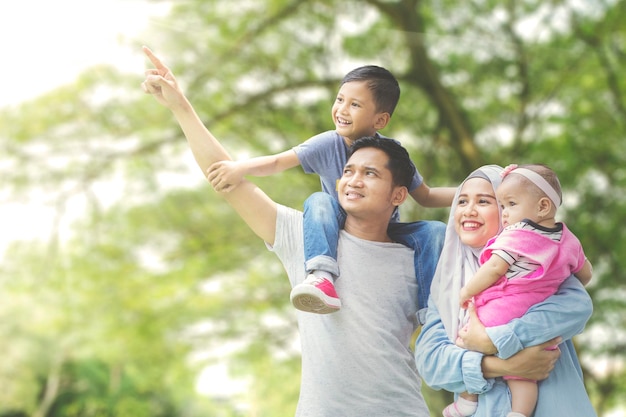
(155, 61)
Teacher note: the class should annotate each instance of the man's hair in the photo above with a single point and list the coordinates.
(400, 164)
(382, 84)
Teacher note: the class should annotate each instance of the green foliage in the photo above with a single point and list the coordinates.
(149, 277)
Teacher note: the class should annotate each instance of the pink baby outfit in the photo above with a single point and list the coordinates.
(511, 298)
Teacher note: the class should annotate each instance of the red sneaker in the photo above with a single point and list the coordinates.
(315, 295)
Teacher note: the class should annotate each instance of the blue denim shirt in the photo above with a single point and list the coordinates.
(443, 365)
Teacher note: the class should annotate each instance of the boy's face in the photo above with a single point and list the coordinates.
(354, 112)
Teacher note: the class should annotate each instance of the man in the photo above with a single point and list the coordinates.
(355, 362)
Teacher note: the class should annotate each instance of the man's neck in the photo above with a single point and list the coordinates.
(372, 230)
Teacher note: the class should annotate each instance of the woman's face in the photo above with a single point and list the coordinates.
(476, 218)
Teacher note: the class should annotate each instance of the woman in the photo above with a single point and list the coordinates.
(519, 345)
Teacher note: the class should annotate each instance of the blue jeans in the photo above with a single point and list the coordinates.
(323, 217)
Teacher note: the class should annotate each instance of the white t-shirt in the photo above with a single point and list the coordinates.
(357, 362)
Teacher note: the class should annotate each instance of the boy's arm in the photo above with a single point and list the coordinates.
(485, 277)
(228, 174)
(433, 197)
(250, 202)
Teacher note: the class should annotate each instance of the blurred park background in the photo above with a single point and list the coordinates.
(127, 288)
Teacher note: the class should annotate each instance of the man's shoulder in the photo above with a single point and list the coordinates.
(288, 218)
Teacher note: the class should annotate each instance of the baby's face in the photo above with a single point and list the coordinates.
(518, 200)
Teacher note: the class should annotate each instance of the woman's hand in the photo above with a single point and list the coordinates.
(535, 362)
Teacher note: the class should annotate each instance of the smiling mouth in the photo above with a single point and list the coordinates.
(343, 122)
(353, 195)
(471, 225)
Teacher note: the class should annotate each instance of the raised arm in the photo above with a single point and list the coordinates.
(250, 202)
(162, 85)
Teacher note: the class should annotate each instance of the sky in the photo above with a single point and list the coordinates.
(45, 44)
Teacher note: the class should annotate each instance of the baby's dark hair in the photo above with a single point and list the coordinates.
(400, 164)
(381, 82)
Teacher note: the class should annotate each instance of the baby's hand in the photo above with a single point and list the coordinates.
(224, 176)
(464, 299)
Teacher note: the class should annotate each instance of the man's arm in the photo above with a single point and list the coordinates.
(249, 201)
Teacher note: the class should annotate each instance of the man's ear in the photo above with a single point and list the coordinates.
(400, 194)
(382, 119)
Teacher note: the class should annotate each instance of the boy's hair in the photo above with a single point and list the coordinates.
(382, 84)
(400, 164)
(548, 174)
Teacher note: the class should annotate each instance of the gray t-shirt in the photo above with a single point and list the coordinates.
(357, 362)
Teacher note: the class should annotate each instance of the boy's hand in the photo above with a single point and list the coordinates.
(224, 176)
(161, 83)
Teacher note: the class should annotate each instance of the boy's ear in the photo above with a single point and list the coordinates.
(382, 119)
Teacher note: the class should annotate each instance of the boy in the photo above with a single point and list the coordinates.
(364, 104)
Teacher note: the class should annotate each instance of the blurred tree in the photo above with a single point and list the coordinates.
(157, 279)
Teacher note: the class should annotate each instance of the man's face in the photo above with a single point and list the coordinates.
(366, 187)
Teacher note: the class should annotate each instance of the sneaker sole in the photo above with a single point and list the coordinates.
(314, 304)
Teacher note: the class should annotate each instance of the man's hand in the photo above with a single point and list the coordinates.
(473, 335)
(161, 83)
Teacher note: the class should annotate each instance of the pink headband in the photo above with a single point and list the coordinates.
(536, 179)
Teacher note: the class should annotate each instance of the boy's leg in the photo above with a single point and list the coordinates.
(426, 239)
(323, 217)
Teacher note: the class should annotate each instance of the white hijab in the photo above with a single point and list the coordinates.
(457, 262)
